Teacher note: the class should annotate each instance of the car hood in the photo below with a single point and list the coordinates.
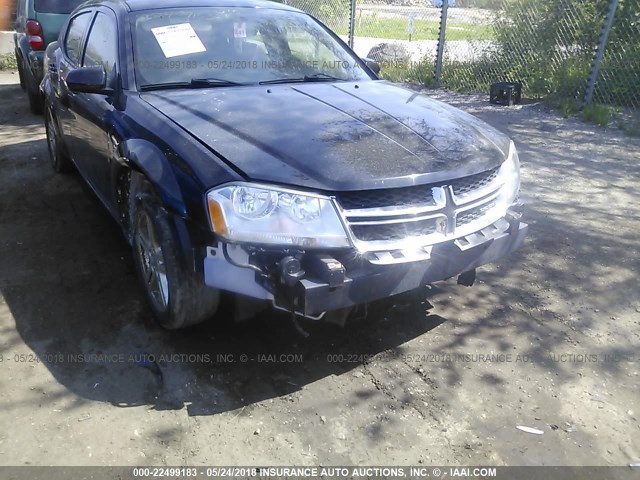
(335, 136)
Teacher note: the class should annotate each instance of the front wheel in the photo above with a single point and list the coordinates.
(60, 160)
(176, 295)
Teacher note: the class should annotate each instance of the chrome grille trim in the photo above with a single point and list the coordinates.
(455, 215)
(477, 194)
(393, 220)
(392, 210)
(471, 215)
(395, 232)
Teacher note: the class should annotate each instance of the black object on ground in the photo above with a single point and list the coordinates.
(506, 93)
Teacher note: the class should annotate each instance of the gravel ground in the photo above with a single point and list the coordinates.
(548, 338)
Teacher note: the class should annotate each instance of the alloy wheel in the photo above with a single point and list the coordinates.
(152, 261)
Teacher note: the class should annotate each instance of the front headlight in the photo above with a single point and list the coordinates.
(271, 216)
(510, 177)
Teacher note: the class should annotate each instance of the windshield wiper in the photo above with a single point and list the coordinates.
(316, 77)
(193, 83)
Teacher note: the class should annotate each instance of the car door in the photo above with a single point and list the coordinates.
(71, 48)
(93, 113)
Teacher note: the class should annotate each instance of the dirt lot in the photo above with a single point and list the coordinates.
(549, 338)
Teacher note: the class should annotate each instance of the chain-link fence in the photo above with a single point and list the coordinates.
(547, 46)
(550, 46)
(335, 14)
(397, 35)
(618, 79)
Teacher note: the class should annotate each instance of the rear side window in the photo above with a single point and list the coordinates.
(56, 6)
(73, 40)
(102, 45)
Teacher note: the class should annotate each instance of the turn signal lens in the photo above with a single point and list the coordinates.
(217, 217)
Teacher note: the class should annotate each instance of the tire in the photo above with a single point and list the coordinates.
(23, 85)
(178, 298)
(60, 160)
(35, 100)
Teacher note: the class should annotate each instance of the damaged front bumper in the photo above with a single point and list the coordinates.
(311, 283)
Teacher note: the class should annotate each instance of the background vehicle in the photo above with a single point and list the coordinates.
(38, 23)
(248, 150)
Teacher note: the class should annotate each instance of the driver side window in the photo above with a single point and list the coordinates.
(102, 47)
(75, 34)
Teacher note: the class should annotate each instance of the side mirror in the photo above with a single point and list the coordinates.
(88, 80)
(372, 64)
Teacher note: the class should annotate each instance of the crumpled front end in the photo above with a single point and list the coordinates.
(396, 240)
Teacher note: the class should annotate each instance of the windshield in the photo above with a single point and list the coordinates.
(232, 46)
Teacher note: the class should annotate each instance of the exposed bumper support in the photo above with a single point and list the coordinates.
(447, 260)
(365, 282)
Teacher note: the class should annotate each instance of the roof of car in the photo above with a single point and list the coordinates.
(138, 5)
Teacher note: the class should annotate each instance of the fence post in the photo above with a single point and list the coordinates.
(352, 22)
(597, 60)
(440, 51)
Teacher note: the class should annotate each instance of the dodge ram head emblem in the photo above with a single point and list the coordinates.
(441, 226)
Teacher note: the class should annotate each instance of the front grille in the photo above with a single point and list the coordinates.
(466, 185)
(386, 218)
(394, 231)
(402, 197)
(473, 214)
(413, 196)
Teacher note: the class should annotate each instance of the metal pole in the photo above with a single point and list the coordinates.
(352, 22)
(597, 60)
(440, 52)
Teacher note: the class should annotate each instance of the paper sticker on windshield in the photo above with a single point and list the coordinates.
(240, 29)
(176, 40)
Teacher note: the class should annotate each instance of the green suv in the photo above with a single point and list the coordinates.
(38, 23)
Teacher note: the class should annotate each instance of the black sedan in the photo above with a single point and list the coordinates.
(244, 148)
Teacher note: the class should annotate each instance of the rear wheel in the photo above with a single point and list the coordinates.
(60, 161)
(178, 297)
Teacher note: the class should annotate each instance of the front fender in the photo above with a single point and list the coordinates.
(147, 158)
